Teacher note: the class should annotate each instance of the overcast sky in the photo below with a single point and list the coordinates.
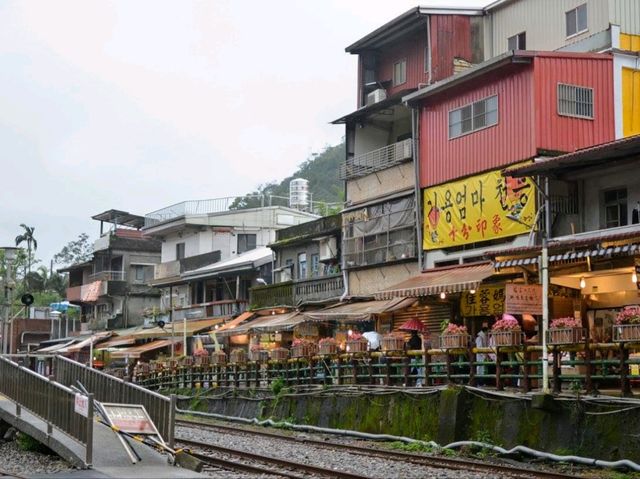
(136, 105)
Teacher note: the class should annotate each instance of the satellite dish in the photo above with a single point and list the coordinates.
(26, 299)
(161, 324)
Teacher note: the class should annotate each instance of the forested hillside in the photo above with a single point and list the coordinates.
(321, 171)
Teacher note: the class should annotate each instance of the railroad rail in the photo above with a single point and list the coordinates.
(399, 456)
(286, 467)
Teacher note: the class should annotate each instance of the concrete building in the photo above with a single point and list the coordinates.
(195, 235)
(112, 287)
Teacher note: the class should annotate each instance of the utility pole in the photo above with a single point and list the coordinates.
(9, 283)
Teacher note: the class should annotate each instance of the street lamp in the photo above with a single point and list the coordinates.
(10, 254)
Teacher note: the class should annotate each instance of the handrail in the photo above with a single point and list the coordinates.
(107, 388)
(52, 402)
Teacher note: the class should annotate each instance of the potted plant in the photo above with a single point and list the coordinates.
(627, 325)
(392, 341)
(218, 357)
(202, 357)
(356, 343)
(302, 347)
(279, 354)
(328, 346)
(238, 355)
(454, 336)
(565, 331)
(258, 353)
(506, 332)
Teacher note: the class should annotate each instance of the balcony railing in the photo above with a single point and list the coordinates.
(280, 294)
(377, 160)
(108, 276)
(215, 205)
(292, 293)
(174, 268)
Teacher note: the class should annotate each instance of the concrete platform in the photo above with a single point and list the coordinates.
(109, 457)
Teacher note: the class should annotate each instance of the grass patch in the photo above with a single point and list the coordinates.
(27, 443)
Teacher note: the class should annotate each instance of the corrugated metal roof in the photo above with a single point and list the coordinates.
(585, 157)
(137, 351)
(251, 259)
(178, 328)
(357, 311)
(449, 280)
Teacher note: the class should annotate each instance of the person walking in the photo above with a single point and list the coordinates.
(481, 342)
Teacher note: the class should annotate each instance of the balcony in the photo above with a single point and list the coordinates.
(294, 293)
(108, 276)
(323, 226)
(74, 293)
(377, 160)
(211, 309)
(169, 269)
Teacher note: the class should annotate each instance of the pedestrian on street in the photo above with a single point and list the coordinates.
(481, 342)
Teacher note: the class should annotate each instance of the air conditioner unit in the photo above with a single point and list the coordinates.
(376, 96)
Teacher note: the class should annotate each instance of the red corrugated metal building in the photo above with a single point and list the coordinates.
(405, 38)
(527, 86)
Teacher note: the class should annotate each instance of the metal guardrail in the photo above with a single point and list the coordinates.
(48, 400)
(107, 388)
(377, 160)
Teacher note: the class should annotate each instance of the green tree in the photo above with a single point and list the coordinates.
(32, 245)
(77, 251)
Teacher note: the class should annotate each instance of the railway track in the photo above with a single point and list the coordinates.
(400, 456)
(224, 458)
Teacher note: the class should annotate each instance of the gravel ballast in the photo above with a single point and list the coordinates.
(26, 463)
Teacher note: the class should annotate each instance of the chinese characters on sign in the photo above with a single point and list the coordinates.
(132, 418)
(486, 301)
(523, 299)
(479, 208)
(81, 404)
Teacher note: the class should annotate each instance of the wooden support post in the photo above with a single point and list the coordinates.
(499, 385)
(557, 372)
(387, 371)
(354, 370)
(370, 368)
(236, 376)
(449, 367)
(588, 382)
(526, 381)
(625, 385)
(472, 370)
(406, 369)
(427, 366)
(339, 370)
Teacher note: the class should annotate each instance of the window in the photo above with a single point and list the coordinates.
(475, 116)
(302, 266)
(246, 242)
(139, 273)
(517, 42)
(315, 265)
(179, 251)
(400, 72)
(615, 208)
(575, 101)
(576, 20)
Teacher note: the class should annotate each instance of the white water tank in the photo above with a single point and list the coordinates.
(299, 194)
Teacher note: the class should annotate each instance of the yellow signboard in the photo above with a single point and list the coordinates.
(485, 301)
(479, 208)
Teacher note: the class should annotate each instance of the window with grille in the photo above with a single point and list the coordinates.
(400, 72)
(576, 20)
(179, 251)
(615, 208)
(517, 42)
(473, 117)
(575, 101)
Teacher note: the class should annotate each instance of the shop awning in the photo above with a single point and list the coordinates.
(356, 311)
(137, 351)
(85, 343)
(245, 327)
(178, 328)
(280, 322)
(56, 347)
(235, 322)
(447, 280)
(116, 341)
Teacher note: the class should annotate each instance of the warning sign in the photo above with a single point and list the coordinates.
(131, 418)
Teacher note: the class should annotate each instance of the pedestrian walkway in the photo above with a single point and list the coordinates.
(109, 457)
